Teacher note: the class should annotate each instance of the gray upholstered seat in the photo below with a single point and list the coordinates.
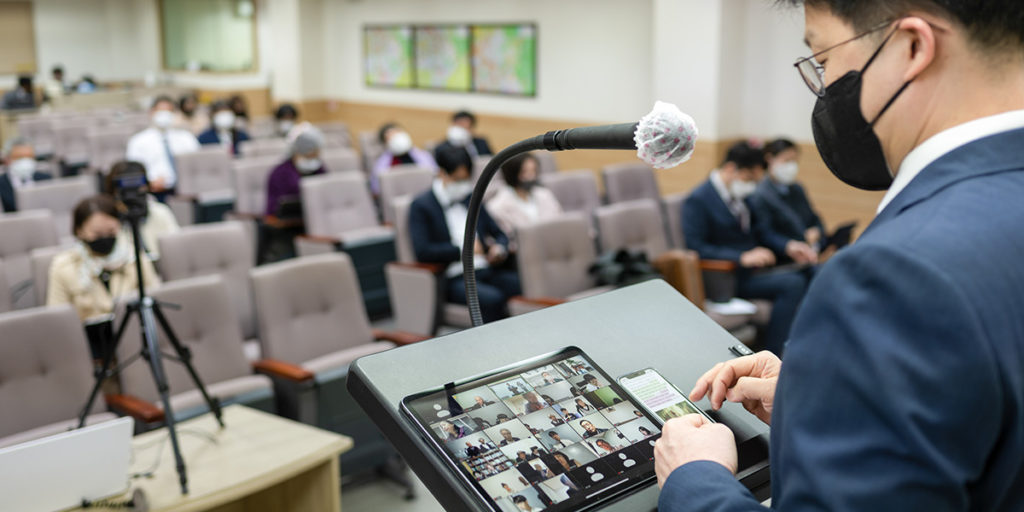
(45, 374)
(204, 171)
(275, 147)
(107, 146)
(576, 191)
(629, 181)
(59, 196)
(402, 182)
(673, 208)
(250, 183)
(336, 135)
(370, 148)
(635, 226)
(71, 140)
(215, 344)
(40, 260)
(340, 159)
(554, 257)
(20, 233)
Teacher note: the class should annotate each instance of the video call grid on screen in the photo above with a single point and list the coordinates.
(538, 439)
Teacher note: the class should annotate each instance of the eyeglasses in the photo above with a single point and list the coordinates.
(814, 73)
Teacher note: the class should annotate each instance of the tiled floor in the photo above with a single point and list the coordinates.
(384, 496)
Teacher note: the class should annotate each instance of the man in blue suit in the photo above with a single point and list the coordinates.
(20, 172)
(719, 223)
(903, 382)
(437, 225)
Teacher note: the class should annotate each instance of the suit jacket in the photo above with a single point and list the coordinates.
(903, 383)
(7, 196)
(715, 233)
(431, 240)
(790, 213)
(480, 144)
(210, 136)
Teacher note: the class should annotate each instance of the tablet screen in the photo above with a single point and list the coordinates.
(551, 435)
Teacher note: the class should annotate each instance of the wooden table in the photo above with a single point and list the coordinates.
(259, 462)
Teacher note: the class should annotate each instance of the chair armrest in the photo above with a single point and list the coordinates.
(282, 369)
(135, 407)
(433, 268)
(275, 222)
(309, 245)
(399, 338)
(543, 302)
(233, 215)
(718, 265)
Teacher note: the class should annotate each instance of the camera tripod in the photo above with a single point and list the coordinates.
(149, 313)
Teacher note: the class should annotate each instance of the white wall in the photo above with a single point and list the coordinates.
(593, 61)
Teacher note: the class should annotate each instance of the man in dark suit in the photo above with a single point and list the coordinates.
(903, 383)
(783, 200)
(719, 224)
(437, 222)
(461, 133)
(19, 172)
(222, 129)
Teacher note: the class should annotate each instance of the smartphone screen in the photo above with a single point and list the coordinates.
(658, 395)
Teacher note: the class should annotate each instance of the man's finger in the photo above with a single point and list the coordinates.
(751, 388)
(703, 384)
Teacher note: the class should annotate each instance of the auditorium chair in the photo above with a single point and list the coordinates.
(402, 182)
(249, 180)
(576, 191)
(339, 215)
(314, 325)
(340, 159)
(71, 141)
(59, 196)
(195, 309)
(38, 129)
(336, 135)
(370, 148)
(45, 374)
(672, 206)
(22, 232)
(5, 297)
(417, 290)
(221, 248)
(629, 181)
(107, 146)
(275, 147)
(546, 163)
(40, 260)
(205, 191)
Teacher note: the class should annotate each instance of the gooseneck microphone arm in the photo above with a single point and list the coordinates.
(617, 136)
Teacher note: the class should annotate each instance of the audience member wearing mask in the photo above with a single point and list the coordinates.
(283, 184)
(86, 85)
(100, 267)
(19, 171)
(286, 116)
(241, 110)
(437, 225)
(398, 150)
(524, 201)
(159, 218)
(222, 130)
(156, 147)
(21, 97)
(461, 134)
(783, 199)
(719, 224)
(190, 116)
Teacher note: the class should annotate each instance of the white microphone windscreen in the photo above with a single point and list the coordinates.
(665, 138)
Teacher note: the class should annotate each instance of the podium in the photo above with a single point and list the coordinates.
(645, 325)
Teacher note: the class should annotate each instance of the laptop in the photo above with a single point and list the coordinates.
(59, 471)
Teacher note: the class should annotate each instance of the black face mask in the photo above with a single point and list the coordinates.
(103, 245)
(528, 185)
(846, 141)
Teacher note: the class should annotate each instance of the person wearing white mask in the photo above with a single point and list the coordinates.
(461, 133)
(437, 226)
(20, 171)
(286, 116)
(283, 183)
(156, 147)
(223, 130)
(719, 224)
(782, 198)
(398, 150)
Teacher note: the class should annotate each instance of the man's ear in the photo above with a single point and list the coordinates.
(922, 46)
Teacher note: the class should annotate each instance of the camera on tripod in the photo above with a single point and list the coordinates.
(131, 189)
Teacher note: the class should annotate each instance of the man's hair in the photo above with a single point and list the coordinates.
(384, 131)
(25, 81)
(14, 142)
(777, 146)
(465, 114)
(450, 158)
(286, 110)
(745, 156)
(992, 25)
(163, 99)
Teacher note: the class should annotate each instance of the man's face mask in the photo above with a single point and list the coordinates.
(846, 141)
(459, 190)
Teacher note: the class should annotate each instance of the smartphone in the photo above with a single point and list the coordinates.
(658, 395)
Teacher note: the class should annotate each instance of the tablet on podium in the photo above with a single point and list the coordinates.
(642, 326)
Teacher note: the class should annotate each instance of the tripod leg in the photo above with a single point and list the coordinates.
(156, 366)
(186, 359)
(108, 359)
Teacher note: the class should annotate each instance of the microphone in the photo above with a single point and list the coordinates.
(663, 138)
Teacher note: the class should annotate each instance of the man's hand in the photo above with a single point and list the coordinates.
(801, 252)
(757, 258)
(692, 438)
(812, 236)
(496, 255)
(478, 248)
(158, 185)
(749, 380)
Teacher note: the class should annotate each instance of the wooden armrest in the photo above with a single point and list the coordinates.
(539, 301)
(319, 239)
(433, 268)
(135, 407)
(718, 265)
(274, 222)
(282, 369)
(399, 337)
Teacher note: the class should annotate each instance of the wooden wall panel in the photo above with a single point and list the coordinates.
(17, 38)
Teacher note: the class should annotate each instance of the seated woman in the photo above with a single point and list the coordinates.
(781, 198)
(523, 202)
(159, 219)
(100, 267)
(223, 130)
(398, 150)
(283, 183)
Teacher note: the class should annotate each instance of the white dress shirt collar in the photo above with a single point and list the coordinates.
(946, 141)
(723, 191)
